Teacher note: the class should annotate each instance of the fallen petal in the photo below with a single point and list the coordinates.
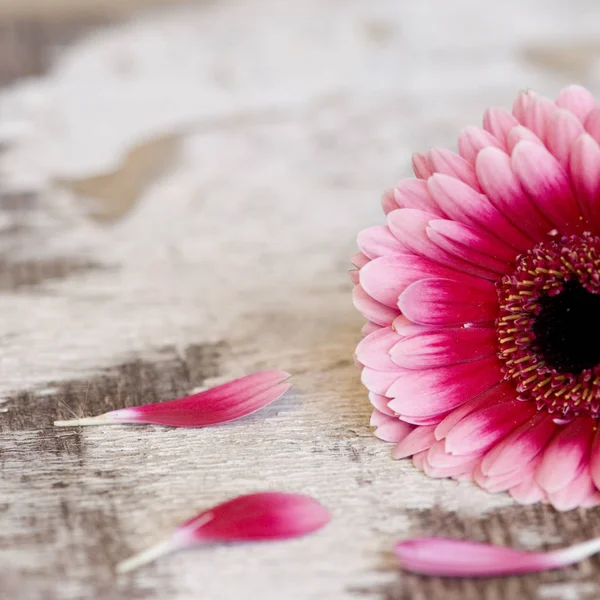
(461, 558)
(255, 517)
(220, 404)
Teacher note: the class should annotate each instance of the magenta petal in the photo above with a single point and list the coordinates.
(452, 165)
(261, 516)
(547, 184)
(371, 309)
(564, 127)
(435, 391)
(217, 405)
(499, 122)
(374, 350)
(436, 348)
(462, 558)
(419, 439)
(446, 302)
(472, 140)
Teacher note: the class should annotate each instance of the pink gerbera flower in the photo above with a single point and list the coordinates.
(481, 353)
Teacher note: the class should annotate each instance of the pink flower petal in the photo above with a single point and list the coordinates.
(521, 446)
(463, 204)
(410, 226)
(482, 429)
(461, 558)
(371, 309)
(381, 404)
(378, 241)
(595, 459)
(436, 348)
(368, 328)
(359, 260)
(566, 455)
(422, 165)
(472, 140)
(522, 134)
(547, 184)
(452, 165)
(419, 439)
(389, 429)
(584, 168)
(499, 122)
(497, 394)
(576, 99)
(592, 124)
(506, 193)
(385, 278)
(217, 405)
(378, 382)
(435, 391)
(374, 350)
(471, 245)
(413, 193)
(564, 127)
(263, 516)
(528, 492)
(447, 302)
(535, 113)
(573, 494)
(388, 202)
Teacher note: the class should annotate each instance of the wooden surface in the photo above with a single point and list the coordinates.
(179, 195)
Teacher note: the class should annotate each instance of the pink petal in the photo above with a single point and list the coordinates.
(368, 328)
(261, 516)
(584, 168)
(371, 309)
(422, 165)
(592, 124)
(595, 460)
(535, 113)
(497, 394)
(378, 382)
(374, 350)
(576, 99)
(501, 483)
(564, 127)
(447, 302)
(413, 193)
(547, 184)
(381, 404)
(482, 429)
(388, 202)
(499, 122)
(410, 225)
(359, 260)
(217, 405)
(452, 165)
(472, 140)
(463, 204)
(436, 348)
(419, 439)
(471, 245)
(461, 558)
(378, 241)
(389, 429)
(441, 464)
(573, 495)
(385, 278)
(423, 421)
(435, 391)
(522, 134)
(521, 446)
(506, 193)
(566, 455)
(528, 492)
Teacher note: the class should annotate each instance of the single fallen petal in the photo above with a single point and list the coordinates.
(461, 558)
(217, 405)
(254, 517)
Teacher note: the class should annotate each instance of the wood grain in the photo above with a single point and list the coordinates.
(226, 257)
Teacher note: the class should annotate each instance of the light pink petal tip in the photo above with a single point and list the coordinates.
(220, 404)
(262, 516)
(460, 558)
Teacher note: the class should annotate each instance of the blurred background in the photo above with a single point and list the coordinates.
(183, 181)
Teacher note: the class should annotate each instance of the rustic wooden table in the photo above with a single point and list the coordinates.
(179, 196)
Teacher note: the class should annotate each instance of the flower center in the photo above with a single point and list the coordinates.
(549, 326)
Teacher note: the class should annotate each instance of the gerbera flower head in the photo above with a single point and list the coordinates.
(481, 352)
